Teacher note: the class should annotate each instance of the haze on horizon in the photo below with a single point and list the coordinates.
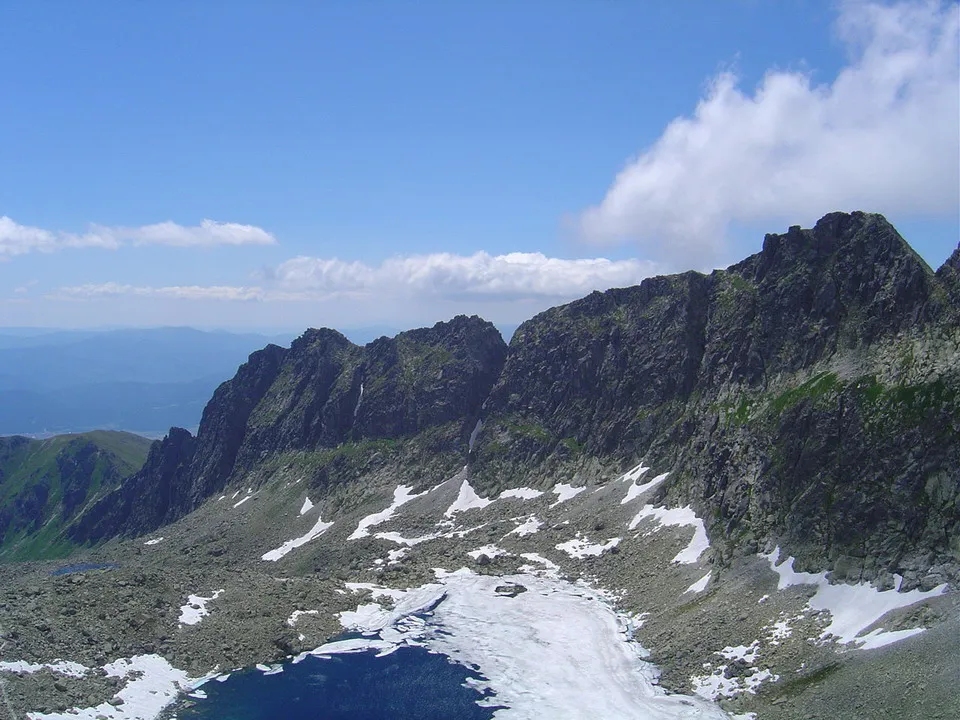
(234, 165)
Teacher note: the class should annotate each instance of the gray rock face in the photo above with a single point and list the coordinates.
(807, 395)
(321, 393)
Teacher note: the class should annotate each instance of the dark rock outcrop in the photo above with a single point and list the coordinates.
(808, 394)
(320, 394)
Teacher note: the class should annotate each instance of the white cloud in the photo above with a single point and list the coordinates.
(456, 276)
(25, 288)
(420, 277)
(883, 136)
(16, 239)
(181, 292)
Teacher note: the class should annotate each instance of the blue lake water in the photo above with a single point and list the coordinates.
(84, 567)
(408, 684)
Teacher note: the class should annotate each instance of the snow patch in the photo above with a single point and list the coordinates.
(747, 653)
(580, 547)
(196, 608)
(319, 528)
(528, 527)
(633, 474)
(491, 551)
(699, 586)
(296, 614)
(678, 517)
(401, 496)
(466, 500)
(522, 493)
(155, 541)
(397, 538)
(241, 502)
(61, 667)
(473, 435)
(635, 491)
(852, 608)
(356, 408)
(565, 492)
(307, 506)
(716, 685)
(152, 684)
(550, 569)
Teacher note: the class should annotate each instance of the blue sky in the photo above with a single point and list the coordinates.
(397, 163)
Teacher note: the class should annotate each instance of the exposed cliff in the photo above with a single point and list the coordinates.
(321, 396)
(808, 394)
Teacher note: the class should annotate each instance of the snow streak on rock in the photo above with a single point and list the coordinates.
(466, 500)
(580, 547)
(853, 608)
(196, 608)
(679, 517)
(401, 495)
(319, 528)
(565, 492)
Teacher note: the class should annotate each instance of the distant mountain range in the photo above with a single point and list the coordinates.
(142, 380)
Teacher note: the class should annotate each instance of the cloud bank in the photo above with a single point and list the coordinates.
(442, 276)
(17, 239)
(884, 135)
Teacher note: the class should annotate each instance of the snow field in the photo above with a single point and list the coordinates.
(557, 650)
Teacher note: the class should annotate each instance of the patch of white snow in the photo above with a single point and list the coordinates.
(699, 586)
(152, 684)
(853, 608)
(196, 608)
(307, 506)
(528, 527)
(679, 517)
(318, 529)
(523, 493)
(565, 492)
(401, 496)
(635, 491)
(580, 547)
(491, 551)
(466, 500)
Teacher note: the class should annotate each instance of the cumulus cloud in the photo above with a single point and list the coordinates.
(441, 275)
(181, 292)
(17, 239)
(458, 276)
(883, 136)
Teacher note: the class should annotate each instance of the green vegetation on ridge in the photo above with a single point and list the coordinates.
(45, 483)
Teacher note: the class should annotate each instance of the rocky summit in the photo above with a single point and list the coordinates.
(755, 471)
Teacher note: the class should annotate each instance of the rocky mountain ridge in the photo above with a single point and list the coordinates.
(681, 451)
(807, 395)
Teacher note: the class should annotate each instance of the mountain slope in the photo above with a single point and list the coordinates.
(44, 484)
(808, 394)
(419, 392)
(685, 449)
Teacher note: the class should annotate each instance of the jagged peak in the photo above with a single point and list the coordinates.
(951, 263)
(320, 336)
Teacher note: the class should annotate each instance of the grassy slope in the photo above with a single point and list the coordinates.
(33, 488)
